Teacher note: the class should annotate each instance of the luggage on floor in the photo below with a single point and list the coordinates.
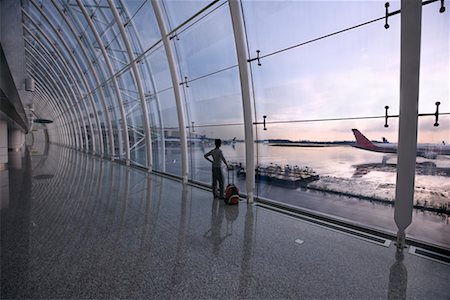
(231, 191)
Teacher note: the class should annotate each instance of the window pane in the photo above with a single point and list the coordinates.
(133, 112)
(178, 11)
(141, 25)
(165, 133)
(432, 180)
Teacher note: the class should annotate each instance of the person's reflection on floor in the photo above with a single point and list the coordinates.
(217, 216)
(398, 278)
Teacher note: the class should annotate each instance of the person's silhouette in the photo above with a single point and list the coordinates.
(217, 176)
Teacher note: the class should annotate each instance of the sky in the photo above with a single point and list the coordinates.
(352, 74)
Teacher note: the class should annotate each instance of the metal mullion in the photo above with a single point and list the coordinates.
(83, 77)
(135, 99)
(37, 100)
(54, 130)
(69, 72)
(75, 103)
(67, 106)
(108, 27)
(62, 94)
(114, 80)
(34, 74)
(176, 89)
(137, 143)
(41, 80)
(64, 136)
(105, 74)
(152, 80)
(58, 128)
(137, 132)
(117, 59)
(131, 109)
(115, 50)
(102, 95)
(114, 35)
(137, 79)
(43, 105)
(53, 112)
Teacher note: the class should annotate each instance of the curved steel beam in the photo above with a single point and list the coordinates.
(69, 73)
(38, 96)
(176, 89)
(52, 93)
(81, 75)
(64, 110)
(137, 79)
(68, 83)
(63, 95)
(48, 77)
(94, 72)
(114, 80)
(152, 80)
(244, 73)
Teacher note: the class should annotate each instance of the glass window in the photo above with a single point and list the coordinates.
(141, 25)
(315, 96)
(116, 119)
(165, 133)
(274, 25)
(209, 40)
(133, 112)
(155, 71)
(318, 166)
(432, 179)
(178, 11)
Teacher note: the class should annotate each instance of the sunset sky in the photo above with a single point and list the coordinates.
(352, 74)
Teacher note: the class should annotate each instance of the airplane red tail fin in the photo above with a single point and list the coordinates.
(362, 141)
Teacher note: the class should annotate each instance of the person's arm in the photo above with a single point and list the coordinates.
(207, 155)
(225, 162)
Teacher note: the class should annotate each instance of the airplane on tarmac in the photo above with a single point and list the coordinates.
(430, 151)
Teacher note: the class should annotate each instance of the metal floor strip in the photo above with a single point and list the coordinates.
(333, 227)
(444, 259)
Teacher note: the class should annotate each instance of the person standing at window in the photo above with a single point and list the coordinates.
(217, 159)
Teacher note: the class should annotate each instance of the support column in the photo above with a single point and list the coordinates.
(411, 17)
(16, 139)
(244, 73)
(3, 145)
(176, 89)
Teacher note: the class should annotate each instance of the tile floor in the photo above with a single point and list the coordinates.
(76, 226)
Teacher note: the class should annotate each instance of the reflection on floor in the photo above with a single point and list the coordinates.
(82, 227)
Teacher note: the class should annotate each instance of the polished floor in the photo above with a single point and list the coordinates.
(76, 226)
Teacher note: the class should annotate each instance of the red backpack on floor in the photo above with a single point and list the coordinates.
(231, 192)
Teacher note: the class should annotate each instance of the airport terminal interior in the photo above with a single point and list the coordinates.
(334, 121)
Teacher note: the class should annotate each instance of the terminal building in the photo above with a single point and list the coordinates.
(108, 108)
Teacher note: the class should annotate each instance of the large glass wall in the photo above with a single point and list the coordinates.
(160, 101)
(314, 84)
(320, 80)
(211, 91)
(432, 181)
(323, 76)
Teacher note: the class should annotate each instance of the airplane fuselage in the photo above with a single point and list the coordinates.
(430, 151)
